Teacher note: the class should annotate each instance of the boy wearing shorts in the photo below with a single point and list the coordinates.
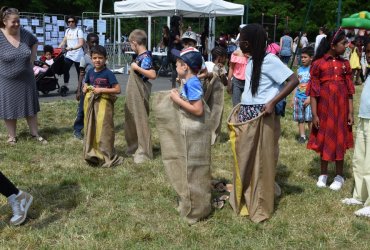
(301, 102)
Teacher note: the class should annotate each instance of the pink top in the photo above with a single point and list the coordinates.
(273, 48)
(240, 62)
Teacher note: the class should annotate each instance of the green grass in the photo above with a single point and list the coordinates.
(133, 206)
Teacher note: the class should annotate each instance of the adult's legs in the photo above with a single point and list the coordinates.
(7, 188)
(11, 126)
(238, 88)
(67, 66)
(77, 66)
(32, 124)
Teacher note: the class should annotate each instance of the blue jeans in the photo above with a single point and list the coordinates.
(78, 126)
(238, 88)
(285, 59)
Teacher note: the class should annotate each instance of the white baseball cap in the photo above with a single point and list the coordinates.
(189, 35)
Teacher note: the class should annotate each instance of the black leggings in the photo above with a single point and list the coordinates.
(67, 66)
(7, 188)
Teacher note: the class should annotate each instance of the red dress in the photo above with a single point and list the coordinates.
(332, 86)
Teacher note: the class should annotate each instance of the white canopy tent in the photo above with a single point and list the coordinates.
(184, 8)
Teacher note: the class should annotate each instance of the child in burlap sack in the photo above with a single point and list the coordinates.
(137, 131)
(190, 176)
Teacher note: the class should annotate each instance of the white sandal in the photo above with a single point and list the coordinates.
(12, 140)
(39, 139)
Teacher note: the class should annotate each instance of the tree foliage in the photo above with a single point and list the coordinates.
(290, 14)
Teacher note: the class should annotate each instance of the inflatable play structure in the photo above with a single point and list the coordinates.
(359, 20)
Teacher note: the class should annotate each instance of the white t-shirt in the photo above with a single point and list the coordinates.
(209, 66)
(72, 41)
(273, 74)
(304, 41)
(318, 40)
(365, 101)
(49, 62)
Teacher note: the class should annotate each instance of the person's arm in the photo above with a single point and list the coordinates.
(149, 73)
(33, 53)
(116, 89)
(291, 83)
(203, 73)
(193, 107)
(315, 118)
(229, 77)
(293, 96)
(64, 41)
(79, 45)
(350, 111)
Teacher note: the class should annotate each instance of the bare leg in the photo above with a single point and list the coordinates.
(301, 129)
(32, 124)
(11, 126)
(324, 167)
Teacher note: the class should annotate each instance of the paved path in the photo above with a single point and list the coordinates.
(161, 83)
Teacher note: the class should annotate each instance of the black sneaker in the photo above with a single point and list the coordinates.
(302, 140)
(64, 90)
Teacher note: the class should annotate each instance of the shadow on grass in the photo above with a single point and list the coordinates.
(314, 169)
(54, 200)
(282, 175)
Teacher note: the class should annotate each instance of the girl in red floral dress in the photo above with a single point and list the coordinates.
(331, 90)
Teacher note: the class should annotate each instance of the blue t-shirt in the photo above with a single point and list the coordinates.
(144, 61)
(192, 89)
(303, 77)
(273, 74)
(102, 79)
(365, 101)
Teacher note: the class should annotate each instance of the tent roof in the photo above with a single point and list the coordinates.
(186, 8)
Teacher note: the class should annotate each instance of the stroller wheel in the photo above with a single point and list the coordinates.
(45, 92)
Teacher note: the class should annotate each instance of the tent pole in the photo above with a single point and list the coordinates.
(114, 42)
(101, 9)
(149, 32)
(120, 41)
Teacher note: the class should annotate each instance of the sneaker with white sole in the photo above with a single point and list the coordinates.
(20, 204)
(337, 183)
(365, 211)
(321, 181)
(351, 201)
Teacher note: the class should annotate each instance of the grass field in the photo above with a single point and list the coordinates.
(133, 206)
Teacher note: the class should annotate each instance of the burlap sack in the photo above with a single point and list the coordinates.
(252, 143)
(214, 97)
(99, 130)
(186, 154)
(137, 130)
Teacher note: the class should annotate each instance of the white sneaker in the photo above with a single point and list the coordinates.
(351, 201)
(365, 211)
(321, 182)
(337, 183)
(20, 204)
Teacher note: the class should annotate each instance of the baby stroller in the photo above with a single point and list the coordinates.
(47, 81)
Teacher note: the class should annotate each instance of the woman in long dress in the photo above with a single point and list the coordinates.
(18, 92)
